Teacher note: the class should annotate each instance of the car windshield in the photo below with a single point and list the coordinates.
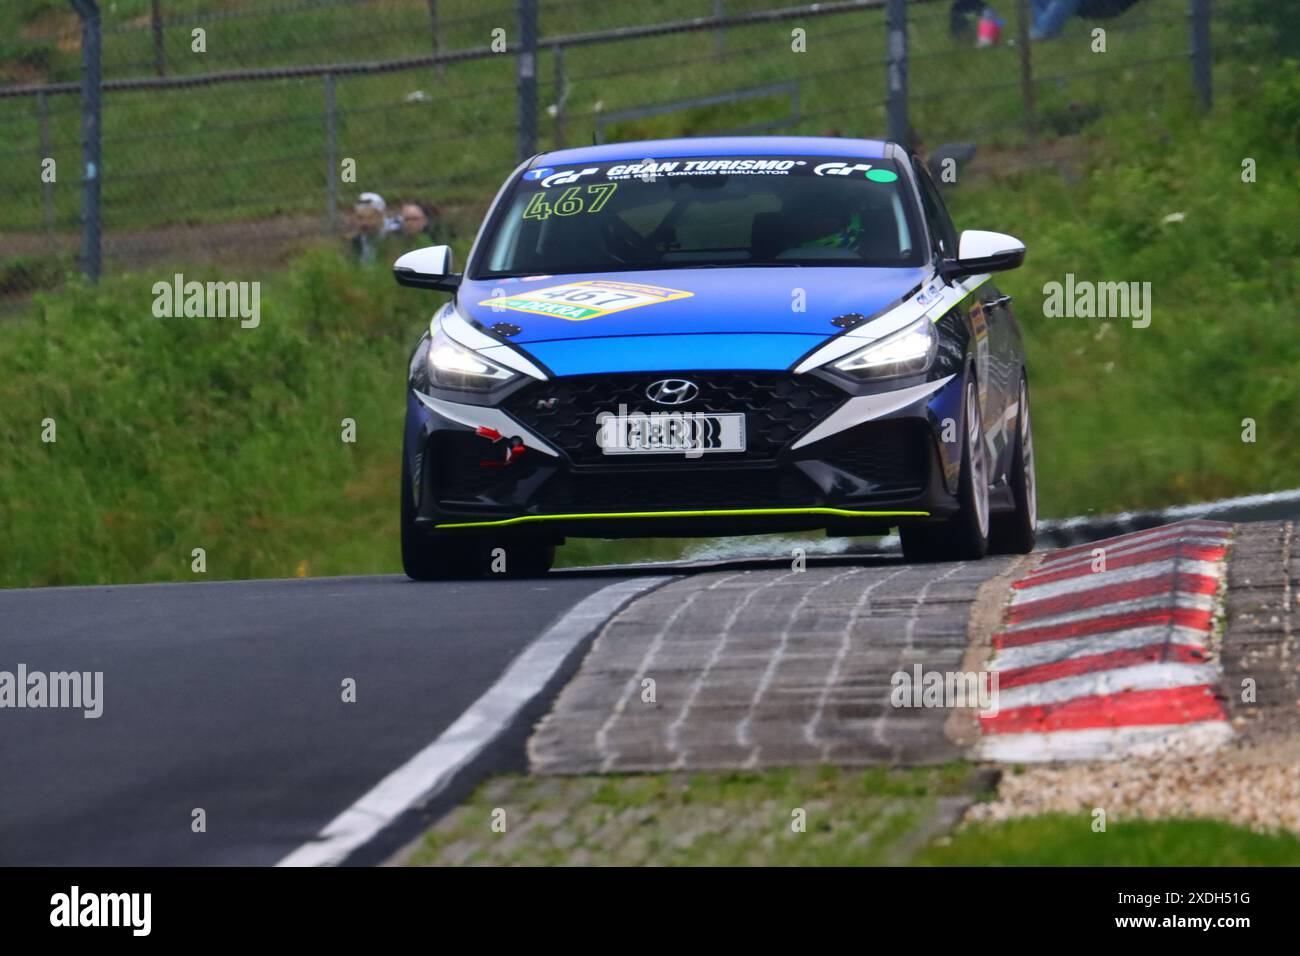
(704, 212)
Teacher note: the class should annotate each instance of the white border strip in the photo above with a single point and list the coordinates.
(1105, 743)
(1083, 583)
(1158, 536)
(1069, 648)
(1153, 675)
(428, 771)
(1114, 553)
(1165, 600)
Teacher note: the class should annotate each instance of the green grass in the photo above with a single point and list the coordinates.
(876, 817)
(1059, 840)
(1128, 417)
(176, 434)
(850, 817)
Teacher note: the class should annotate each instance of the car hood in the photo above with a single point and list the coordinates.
(754, 318)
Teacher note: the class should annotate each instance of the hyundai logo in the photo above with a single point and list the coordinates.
(672, 391)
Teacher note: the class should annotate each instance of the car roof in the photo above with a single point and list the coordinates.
(717, 146)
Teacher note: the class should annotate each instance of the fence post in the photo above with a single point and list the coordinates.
(1026, 71)
(88, 11)
(331, 157)
(720, 34)
(561, 94)
(1199, 12)
(47, 188)
(156, 21)
(526, 81)
(437, 34)
(896, 120)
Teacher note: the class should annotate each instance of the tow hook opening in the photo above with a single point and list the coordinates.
(513, 448)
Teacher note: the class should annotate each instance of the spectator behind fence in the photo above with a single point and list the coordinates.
(372, 225)
(1048, 17)
(422, 225)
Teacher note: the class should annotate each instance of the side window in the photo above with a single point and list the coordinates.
(941, 227)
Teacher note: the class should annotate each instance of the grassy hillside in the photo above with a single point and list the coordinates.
(1128, 417)
(175, 434)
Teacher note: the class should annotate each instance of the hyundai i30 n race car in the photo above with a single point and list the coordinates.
(716, 336)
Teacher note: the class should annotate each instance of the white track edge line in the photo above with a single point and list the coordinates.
(484, 720)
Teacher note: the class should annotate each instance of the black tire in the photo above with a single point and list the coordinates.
(964, 536)
(1016, 532)
(427, 557)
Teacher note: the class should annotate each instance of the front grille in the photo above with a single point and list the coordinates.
(778, 408)
(674, 491)
(890, 455)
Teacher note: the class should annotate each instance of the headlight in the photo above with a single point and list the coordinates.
(909, 351)
(453, 366)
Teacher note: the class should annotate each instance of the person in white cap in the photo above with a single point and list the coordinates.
(372, 225)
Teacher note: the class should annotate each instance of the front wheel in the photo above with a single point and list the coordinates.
(459, 556)
(964, 536)
(428, 557)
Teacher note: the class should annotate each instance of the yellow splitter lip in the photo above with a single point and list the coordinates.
(716, 513)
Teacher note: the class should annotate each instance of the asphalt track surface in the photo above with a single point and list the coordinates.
(227, 696)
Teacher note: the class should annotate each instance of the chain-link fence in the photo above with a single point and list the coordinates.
(241, 132)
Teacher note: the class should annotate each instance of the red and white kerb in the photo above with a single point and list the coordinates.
(1102, 664)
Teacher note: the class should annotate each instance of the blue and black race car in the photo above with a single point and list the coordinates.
(709, 337)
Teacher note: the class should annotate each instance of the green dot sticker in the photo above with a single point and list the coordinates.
(882, 175)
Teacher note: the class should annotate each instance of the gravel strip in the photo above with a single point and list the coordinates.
(1253, 787)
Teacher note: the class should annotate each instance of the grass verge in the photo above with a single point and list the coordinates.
(850, 818)
(1060, 840)
(805, 817)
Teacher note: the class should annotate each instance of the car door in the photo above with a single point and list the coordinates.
(1004, 364)
(986, 310)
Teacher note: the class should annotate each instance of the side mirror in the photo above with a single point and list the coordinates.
(427, 268)
(979, 252)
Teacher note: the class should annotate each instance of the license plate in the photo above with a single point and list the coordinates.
(670, 433)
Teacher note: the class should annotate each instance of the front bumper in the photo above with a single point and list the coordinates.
(864, 479)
